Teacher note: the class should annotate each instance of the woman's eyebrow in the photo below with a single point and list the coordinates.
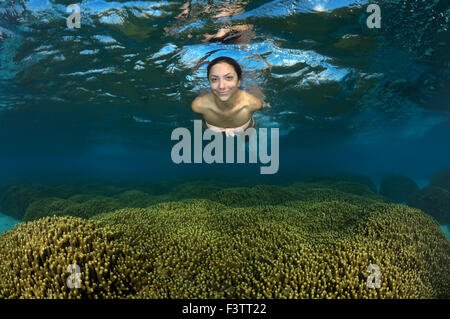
(224, 75)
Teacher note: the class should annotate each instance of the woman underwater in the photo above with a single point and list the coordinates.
(227, 108)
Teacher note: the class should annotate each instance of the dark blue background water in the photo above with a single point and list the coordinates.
(100, 102)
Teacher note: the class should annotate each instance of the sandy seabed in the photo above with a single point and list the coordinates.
(7, 222)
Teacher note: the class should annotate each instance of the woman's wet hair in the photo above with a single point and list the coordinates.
(228, 60)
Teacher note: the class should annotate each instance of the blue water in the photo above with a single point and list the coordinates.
(7, 222)
(446, 230)
(101, 101)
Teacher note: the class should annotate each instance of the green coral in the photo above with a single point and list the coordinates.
(137, 198)
(398, 187)
(81, 198)
(86, 205)
(62, 207)
(64, 190)
(344, 186)
(97, 205)
(158, 187)
(99, 189)
(195, 189)
(339, 178)
(332, 191)
(273, 195)
(36, 256)
(434, 201)
(16, 198)
(305, 240)
(258, 195)
(201, 249)
(46, 207)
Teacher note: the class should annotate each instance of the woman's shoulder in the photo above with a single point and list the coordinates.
(200, 101)
(253, 102)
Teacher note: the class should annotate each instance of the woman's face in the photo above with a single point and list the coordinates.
(224, 81)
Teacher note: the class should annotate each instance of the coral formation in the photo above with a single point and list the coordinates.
(16, 198)
(441, 179)
(36, 256)
(64, 190)
(328, 191)
(100, 189)
(80, 198)
(258, 195)
(137, 198)
(339, 178)
(62, 207)
(305, 240)
(86, 206)
(398, 187)
(94, 206)
(273, 195)
(201, 249)
(46, 207)
(434, 201)
(195, 189)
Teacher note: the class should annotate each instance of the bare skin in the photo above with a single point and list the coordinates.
(232, 109)
(236, 34)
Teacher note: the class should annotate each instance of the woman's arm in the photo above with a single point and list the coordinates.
(256, 91)
(197, 105)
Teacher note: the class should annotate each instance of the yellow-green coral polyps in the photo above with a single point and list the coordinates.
(36, 255)
(199, 249)
(306, 240)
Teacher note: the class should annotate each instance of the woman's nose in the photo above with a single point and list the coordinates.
(221, 84)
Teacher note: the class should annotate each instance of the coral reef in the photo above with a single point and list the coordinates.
(86, 206)
(434, 201)
(258, 195)
(201, 249)
(195, 189)
(36, 256)
(398, 187)
(137, 198)
(62, 207)
(16, 198)
(64, 190)
(331, 190)
(339, 178)
(80, 198)
(305, 240)
(100, 189)
(272, 194)
(441, 179)
(97, 205)
(46, 207)
(158, 187)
